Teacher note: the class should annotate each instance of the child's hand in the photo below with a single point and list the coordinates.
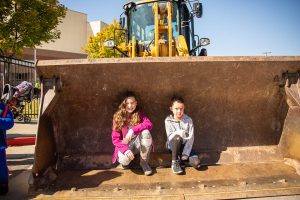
(128, 136)
(184, 157)
(125, 141)
(130, 155)
(181, 133)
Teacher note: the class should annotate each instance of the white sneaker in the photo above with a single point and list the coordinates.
(176, 167)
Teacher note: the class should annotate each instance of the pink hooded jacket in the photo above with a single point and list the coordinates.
(117, 136)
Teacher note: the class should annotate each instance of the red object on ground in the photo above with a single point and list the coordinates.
(21, 141)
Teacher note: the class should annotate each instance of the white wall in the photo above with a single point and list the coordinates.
(97, 26)
(73, 36)
(75, 32)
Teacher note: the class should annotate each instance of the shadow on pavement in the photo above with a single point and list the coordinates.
(15, 135)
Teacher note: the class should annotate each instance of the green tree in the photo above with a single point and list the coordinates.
(95, 47)
(28, 23)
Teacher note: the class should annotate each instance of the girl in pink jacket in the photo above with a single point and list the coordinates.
(131, 134)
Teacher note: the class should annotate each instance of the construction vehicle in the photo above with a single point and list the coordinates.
(160, 29)
(246, 113)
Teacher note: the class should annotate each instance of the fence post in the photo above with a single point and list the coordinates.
(7, 62)
(14, 71)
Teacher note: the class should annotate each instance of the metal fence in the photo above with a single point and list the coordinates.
(13, 72)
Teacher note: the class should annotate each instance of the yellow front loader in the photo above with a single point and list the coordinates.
(160, 29)
(246, 113)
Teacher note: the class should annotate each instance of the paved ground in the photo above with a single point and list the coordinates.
(20, 160)
(212, 182)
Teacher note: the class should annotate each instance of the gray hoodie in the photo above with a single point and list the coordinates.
(186, 125)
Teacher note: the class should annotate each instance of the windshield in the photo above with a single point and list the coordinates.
(141, 21)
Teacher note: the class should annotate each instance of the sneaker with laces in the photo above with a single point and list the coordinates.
(125, 167)
(146, 168)
(176, 167)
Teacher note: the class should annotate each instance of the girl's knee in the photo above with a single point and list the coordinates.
(177, 138)
(146, 134)
(146, 138)
(122, 159)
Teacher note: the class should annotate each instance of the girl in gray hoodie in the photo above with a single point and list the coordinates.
(180, 136)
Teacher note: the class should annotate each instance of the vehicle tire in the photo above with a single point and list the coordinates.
(27, 119)
(3, 188)
(20, 117)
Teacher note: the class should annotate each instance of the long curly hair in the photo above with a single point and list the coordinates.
(120, 118)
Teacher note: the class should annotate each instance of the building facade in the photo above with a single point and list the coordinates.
(75, 31)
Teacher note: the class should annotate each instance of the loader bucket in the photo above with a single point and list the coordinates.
(244, 109)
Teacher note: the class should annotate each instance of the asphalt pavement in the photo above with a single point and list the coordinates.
(20, 160)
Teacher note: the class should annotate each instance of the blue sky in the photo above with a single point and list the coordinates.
(235, 27)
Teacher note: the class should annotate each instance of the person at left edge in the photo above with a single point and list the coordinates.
(6, 122)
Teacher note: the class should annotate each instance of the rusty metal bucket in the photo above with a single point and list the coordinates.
(244, 109)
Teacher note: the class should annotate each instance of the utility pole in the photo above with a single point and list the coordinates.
(35, 59)
(267, 52)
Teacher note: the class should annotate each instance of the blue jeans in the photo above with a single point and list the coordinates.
(3, 167)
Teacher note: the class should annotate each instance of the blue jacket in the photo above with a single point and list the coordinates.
(5, 124)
